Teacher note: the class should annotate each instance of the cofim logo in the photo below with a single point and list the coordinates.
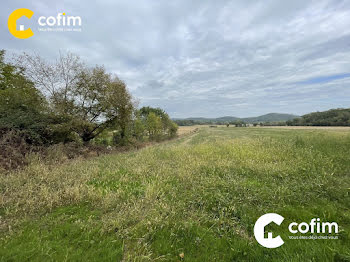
(259, 230)
(315, 226)
(60, 22)
(60, 19)
(12, 23)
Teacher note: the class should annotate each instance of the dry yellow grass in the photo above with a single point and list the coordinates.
(183, 130)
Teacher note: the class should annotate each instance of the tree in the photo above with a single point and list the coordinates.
(89, 100)
(11, 76)
(138, 129)
(168, 128)
(153, 125)
(173, 127)
(54, 79)
(102, 101)
(22, 106)
(332, 117)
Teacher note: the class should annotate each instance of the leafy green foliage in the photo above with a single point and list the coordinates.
(157, 123)
(138, 129)
(66, 101)
(11, 76)
(90, 99)
(153, 125)
(21, 105)
(102, 101)
(333, 117)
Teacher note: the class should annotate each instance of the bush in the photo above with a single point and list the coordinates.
(14, 149)
(138, 129)
(173, 127)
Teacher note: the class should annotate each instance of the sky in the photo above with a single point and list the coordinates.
(206, 58)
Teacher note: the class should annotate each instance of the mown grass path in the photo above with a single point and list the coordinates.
(198, 196)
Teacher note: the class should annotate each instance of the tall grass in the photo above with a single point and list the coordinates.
(198, 196)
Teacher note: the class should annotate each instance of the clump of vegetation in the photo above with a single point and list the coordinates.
(45, 103)
(333, 117)
(157, 123)
(280, 123)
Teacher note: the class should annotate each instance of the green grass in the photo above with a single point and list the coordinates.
(199, 195)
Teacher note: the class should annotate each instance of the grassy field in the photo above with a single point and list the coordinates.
(198, 196)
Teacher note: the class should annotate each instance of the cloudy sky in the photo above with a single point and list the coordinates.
(206, 58)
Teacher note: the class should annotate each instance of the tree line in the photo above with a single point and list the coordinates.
(332, 117)
(191, 122)
(65, 101)
(236, 123)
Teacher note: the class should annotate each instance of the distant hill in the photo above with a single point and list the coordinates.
(272, 117)
(227, 118)
(333, 117)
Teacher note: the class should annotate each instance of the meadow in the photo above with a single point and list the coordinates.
(195, 198)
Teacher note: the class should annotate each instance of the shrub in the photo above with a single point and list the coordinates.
(14, 149)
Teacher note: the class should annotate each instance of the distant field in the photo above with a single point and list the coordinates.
(340, 128)
(183, 130)
(198, 196)
(187, 129)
